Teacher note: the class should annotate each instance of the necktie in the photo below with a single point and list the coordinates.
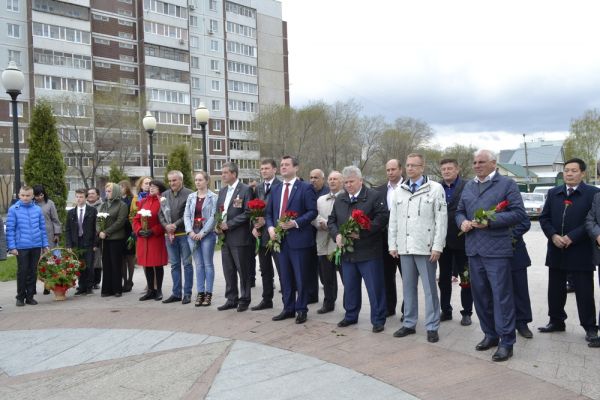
(413, 187)
(286, 195)
(331, 196)
(570, 191)
(267, 187)
(80, 222)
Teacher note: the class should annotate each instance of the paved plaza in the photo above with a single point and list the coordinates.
(93, 347)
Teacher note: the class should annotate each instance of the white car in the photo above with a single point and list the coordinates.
(533, 202)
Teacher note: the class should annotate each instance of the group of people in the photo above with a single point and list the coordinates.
(311, 231)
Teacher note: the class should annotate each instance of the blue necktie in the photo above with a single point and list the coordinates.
(413, 187)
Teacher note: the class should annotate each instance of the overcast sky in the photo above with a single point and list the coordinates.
(479, 72)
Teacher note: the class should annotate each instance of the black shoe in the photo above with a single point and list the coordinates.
(150, 294)
(20, 303)
(46, 291)
(283, 315)
(552, 327)
(301, 318)
(172, 299)
(570, 288)
(404, 331)
(31, 302)
(377, 328)
(159, 295)
(502, 354)
(263, 305)
(118, 294)
(432, 336)
(594, 343)
(445, 316)
(466, 320)
(486, 344)
(80, 292)
(96, 286)
(242, 307)
(89, 292)
(313, 300)
(344, 323)
(227, 306)
(390, 313)
(105, 295)
(324, 310)
(186, 299)
(253, 284)
(591, 334)
(525, 332)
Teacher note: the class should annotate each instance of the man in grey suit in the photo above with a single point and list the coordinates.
(490, 251)
(237, 248)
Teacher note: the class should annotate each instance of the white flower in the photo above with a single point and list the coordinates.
(69, 208)
(163, 199)
(145, 213)
(103, 215)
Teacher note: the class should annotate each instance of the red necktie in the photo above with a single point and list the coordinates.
(286, 195)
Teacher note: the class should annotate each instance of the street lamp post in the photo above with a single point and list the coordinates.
(149, 123)
(13, 81)
(202, 116)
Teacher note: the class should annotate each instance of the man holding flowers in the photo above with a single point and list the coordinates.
(488, 244)
(358, 217)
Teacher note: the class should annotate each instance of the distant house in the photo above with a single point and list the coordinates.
(516, 172)
(545, 159)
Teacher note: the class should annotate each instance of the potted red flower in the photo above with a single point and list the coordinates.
(59, 269)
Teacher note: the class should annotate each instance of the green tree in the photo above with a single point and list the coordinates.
(45, 164)
(584, 140)
(179, 159)
(115, 174)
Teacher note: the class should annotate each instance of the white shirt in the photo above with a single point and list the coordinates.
(79, 211)
(487, 178)
(229, 195)
(390, 192)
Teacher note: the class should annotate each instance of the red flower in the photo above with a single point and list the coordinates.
(77, 273)
(256, 204)
(291, 214)
(42, 270)
(361, 219)
(502, 205)
(568, 203)
(221, 208)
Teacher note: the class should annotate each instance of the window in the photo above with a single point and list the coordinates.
(169, 96)
(218, 165)
(67, 60)
(21, 138)
(61, 33)
(237, 125)
(241, 68)
(214, 26)
(216, 125)
(212, 5)
(243, 106)
(105, 42)
(218, 182)
(124, 45)
(241, 30)
(217, 145)
(240, 48)
(165, 30)
(127, 81)
(12, 5)
(125, 22)
(100, 64)
(165, 8)
(240, 10)
(242, 87)
(215, 86)
(14, 55)
(194, 41)
(216, 105)
(19, 109)
(214, 45)
(214, 65)
(126, 68)
(195, 62)
(14, 31)
(193, 20)
(99, 17)
(126, 35)
(195, 102)
(195, 83)
(124, 57)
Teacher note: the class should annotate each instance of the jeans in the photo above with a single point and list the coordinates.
(203, 260)
(179, 252)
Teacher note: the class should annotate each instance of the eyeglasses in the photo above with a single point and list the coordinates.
(413, 165)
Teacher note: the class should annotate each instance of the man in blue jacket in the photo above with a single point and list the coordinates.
(490, 251)
(26, 237)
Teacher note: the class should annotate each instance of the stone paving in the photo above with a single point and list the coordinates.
(122, 348)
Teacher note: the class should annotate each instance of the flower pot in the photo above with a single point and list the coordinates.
(60, 292)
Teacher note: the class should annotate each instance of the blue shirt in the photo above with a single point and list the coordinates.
(419, 182)
(450, 189)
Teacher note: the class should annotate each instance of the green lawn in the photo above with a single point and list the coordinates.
(8, 269)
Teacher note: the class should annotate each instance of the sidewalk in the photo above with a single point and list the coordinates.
(123, 348)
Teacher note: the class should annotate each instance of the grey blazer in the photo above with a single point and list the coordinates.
(592, 226)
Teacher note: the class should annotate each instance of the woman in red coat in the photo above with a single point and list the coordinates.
(151, 250)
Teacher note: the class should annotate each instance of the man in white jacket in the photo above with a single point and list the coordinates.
(417, 234)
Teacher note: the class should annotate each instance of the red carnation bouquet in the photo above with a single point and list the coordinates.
(484, 217)
(275, 244)
(357, 221)
(257, 210)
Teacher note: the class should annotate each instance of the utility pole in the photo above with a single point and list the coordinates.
(526, 163)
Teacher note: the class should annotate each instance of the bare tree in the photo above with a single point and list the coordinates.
(584, 139)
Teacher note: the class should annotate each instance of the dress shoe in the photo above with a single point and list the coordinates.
(105, 295)
(253, 284)
(301, 317)
(465, 320)
(486, 344)
(404, 331)
(313, 300)
(80, 292)
(525, 332)
(377, 328)
(227, 306)
(172, 299)
(594, 343)
(502, 354)
(242, 307)
(263, 305)
(96, 286)
(390, 313)
(570, 288)
(20, 302)
(552, 327)
(150, 294)
(118, 294)
(283, 315)
(344, 323)
(31, 302)
(159, 295)
(591, 334)
(432, 336)
(324, 310)
(445, 316)
(187, 299)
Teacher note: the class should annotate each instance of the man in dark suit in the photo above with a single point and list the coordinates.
(237, 249)
(80, 234)
(393, 170)
(268, 169)
(365, 261)
(293, 195)
(453, 260)
(490, 251)
(570, 249)
(519, 264)
(592, 226)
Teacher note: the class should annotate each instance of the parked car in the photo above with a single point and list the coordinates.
(533, 202)
(543, 190)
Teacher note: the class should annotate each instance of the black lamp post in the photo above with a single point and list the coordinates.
(13, 81)
(202, 116)
(149, 123)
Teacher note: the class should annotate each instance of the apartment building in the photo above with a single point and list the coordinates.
(103, 63)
